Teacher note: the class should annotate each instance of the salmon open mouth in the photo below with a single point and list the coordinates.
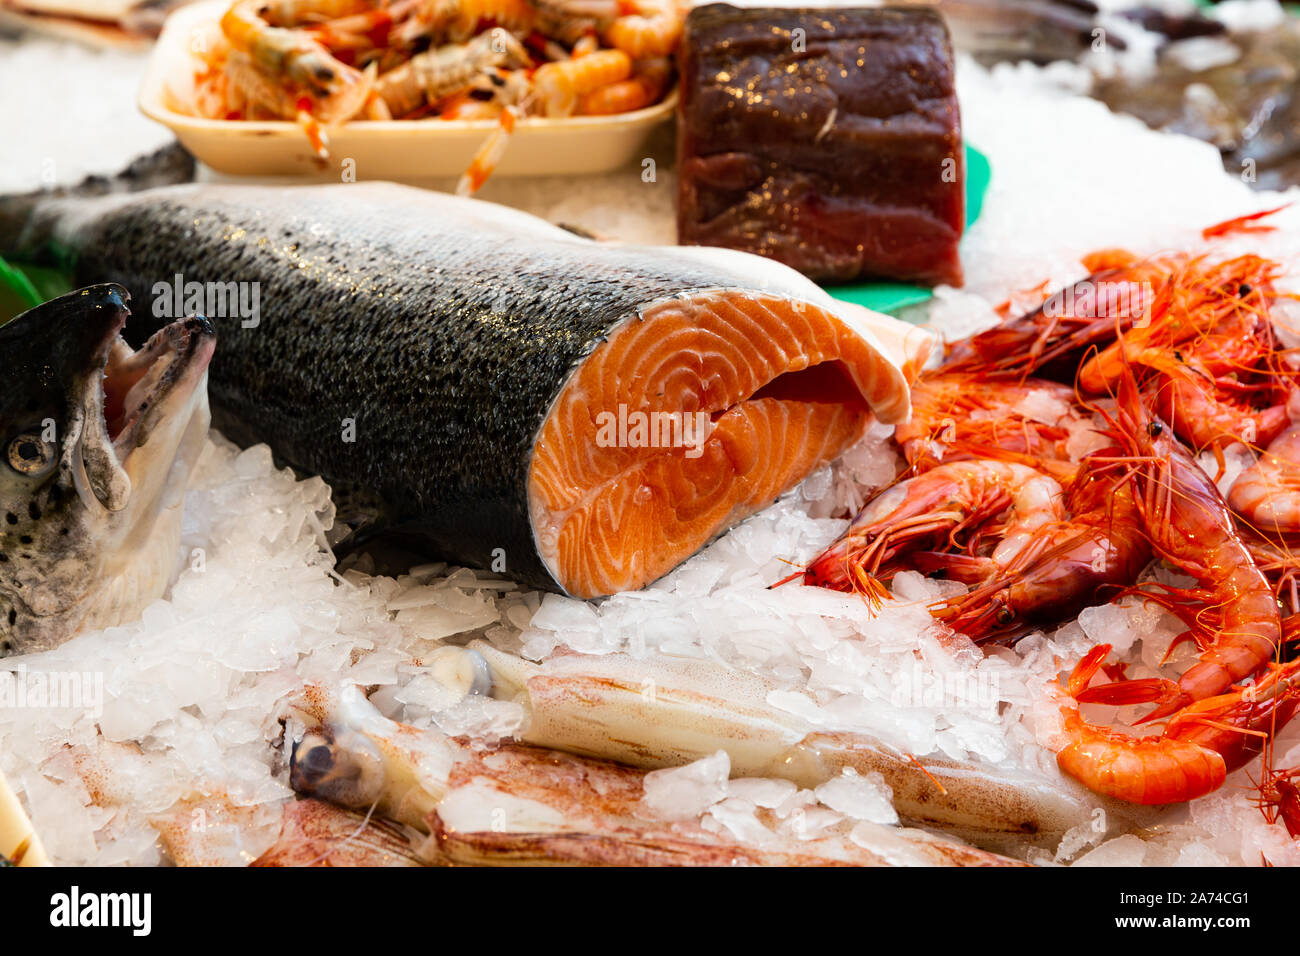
(138, 385)
(688, 419)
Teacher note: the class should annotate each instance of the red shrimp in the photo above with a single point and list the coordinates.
(1199, 747)
(956, 416)
(1190, 526)
(1062, 567)
(947, 506)
(1191, 298)
(1050, 340)
(1267, 494)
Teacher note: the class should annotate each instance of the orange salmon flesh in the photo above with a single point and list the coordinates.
(625, 484)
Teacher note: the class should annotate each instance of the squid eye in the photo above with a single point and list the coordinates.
(30, 454)
(348, 770)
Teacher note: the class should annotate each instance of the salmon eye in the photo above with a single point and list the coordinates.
(30, 454)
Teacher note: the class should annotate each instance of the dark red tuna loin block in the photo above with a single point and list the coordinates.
(836, 150)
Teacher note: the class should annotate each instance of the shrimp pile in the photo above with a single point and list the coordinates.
(1052, 465)
(321, 63)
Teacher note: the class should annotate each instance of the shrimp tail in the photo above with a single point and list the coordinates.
(1145, 690)
(1169, 704)
(1086, 670)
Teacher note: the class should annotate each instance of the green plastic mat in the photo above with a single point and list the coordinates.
(25, 287)
(17, 294)
(892, 297)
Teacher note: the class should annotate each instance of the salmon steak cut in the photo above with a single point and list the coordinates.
(580, 416)
(774, 391)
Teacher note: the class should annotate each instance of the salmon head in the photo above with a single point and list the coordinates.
(97, 442)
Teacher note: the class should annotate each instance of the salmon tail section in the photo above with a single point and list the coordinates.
(691, 417)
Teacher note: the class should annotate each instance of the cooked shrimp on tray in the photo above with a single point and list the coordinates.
(322, 63)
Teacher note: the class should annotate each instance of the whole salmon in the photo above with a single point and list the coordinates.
(577, 415)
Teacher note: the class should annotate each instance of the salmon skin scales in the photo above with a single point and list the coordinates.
(453, 362)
